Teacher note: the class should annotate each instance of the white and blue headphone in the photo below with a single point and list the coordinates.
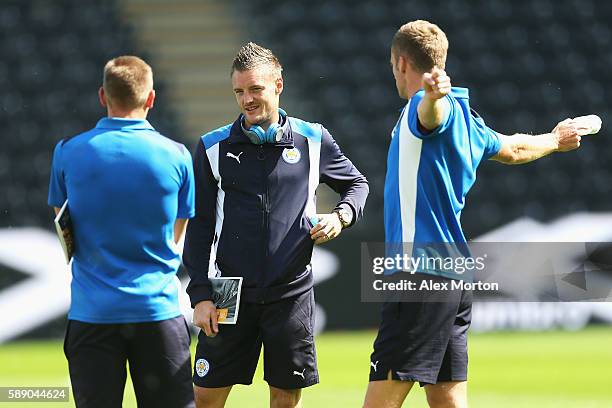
(257, 135)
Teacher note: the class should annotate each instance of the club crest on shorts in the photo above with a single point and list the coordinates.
(202, 367)
(292, 156)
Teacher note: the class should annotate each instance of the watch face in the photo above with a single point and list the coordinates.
(344, 217)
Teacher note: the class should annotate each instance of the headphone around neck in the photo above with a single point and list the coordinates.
(257, 135)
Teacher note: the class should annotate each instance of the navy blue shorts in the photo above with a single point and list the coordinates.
(424, 341)
(285, 329)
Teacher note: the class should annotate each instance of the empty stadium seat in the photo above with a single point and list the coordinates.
(52, 59)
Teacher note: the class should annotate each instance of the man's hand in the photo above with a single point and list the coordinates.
(567, 134)
(436, 84)
(328, 228)
(205, 317)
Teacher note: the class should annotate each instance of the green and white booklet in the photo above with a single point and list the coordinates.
(226, 297)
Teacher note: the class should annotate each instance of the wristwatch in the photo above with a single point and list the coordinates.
(344, 216)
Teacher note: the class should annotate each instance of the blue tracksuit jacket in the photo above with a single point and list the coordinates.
(253, 204)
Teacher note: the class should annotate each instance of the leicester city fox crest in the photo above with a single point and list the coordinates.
(202, 367)
(292, 156)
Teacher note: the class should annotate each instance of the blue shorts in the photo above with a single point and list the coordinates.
(424, 340)
(285, 329)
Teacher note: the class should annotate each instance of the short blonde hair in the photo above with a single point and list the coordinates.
(423, 43)
(127, 81)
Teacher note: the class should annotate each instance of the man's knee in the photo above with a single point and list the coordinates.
(211, 397)
(447, 395)
(280, 398)
(387, 394)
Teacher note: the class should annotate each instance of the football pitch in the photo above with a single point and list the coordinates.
(538, 369)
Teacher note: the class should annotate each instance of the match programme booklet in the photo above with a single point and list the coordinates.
(63, 227)
(226, 297)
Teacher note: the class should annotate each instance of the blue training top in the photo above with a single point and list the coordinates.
(429, 175)
(126, 185)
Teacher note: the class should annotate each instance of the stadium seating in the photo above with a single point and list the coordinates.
(50, 70)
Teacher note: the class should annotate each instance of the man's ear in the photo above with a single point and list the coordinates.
(102, 97)
(402, 64)
(279, 86)
(150, 99)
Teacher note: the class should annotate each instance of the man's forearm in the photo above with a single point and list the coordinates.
(339, 173)
(196, 257)
(431, 112)
(523, 148)
(432, 108)
(354, 198)
(180, 225)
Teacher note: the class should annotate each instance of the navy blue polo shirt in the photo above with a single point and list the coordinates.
(126, 185)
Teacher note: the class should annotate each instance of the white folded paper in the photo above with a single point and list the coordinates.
(588, 125)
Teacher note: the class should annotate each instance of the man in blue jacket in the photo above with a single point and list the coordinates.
(255, 218)
(130, 192)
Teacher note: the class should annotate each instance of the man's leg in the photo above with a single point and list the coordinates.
(411, 346)
(450, 389)
(211, 397)
(97, 362)
(387, 393)
(290, 362)
(229, 358)
(280, 398)
(449, 394)
(160, 363)
(393, 352)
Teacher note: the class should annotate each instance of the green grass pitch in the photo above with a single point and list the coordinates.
(543, 369)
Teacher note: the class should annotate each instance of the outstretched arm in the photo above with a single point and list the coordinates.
(523, 148)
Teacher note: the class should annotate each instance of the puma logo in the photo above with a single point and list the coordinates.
(300, 374)
(374, 365)
(233, 156)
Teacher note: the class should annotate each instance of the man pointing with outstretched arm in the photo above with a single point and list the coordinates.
(436, 147)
